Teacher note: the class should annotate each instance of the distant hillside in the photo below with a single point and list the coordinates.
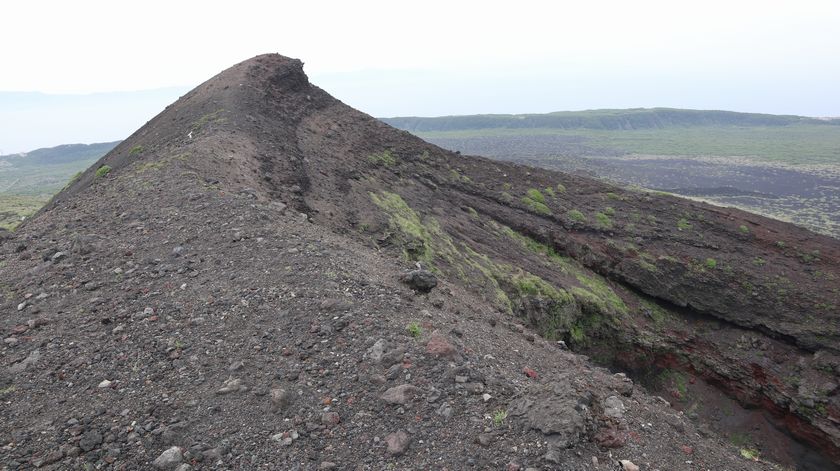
(28, 180)
(638, 118)
(45, 171)
(62, 154)
(30, 119)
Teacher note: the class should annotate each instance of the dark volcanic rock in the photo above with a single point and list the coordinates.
(557, 410)
(90, 440)
(421, 281)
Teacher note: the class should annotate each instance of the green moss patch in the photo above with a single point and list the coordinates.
(103, 170)
(577, 311)
(538, 207)
(383, 159)
(576, 216)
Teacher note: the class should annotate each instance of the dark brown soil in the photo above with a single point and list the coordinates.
(232, 284)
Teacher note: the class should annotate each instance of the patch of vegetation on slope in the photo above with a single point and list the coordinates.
(797, 144)
(579, 308)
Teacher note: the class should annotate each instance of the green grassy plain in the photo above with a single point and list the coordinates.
(796, 144)
(28, 181)
(15, 207)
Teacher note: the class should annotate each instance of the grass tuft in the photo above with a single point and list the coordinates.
(499, 417)
(576, 216)
(536, 202)
(414, 330)
(536, 195)
(103, 170)
(603, 221)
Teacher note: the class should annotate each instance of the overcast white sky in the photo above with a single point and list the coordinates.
(392, 58)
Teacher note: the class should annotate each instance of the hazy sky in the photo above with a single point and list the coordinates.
(391, 58)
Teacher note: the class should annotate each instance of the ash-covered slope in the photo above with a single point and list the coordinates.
(225, 282)
(306, 147)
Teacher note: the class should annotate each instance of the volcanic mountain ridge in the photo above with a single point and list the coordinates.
(221, 291)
